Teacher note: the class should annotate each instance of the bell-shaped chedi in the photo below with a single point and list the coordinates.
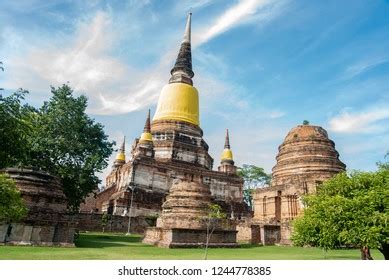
(306, 158)
(186, 206)
(184, 219)
(307, 154)
(175, 126)
(179, 100)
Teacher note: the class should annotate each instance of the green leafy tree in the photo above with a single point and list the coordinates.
(254, 177)
(347, 211)
(12, 207)
(212, 220)
(59, 138)
(15, 129)
(305, 122)
(66, 142)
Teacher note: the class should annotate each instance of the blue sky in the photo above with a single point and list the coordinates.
(261, 67)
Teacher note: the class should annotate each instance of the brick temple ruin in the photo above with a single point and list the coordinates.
(47, 222)
(184, 221)
(306, 158)
(170, 148)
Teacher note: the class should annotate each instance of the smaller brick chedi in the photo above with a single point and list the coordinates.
(183, 222)
(306, 158)
(47, 222)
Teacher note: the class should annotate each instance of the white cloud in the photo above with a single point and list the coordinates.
(112, 86)
(360, 122)
(241, 13)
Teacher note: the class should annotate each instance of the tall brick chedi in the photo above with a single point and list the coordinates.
(306, 158)
(170, 148)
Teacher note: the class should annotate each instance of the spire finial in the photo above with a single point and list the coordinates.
(187, 34)
(182, 70)
(122, 147)
(147, 127)
(227, 141)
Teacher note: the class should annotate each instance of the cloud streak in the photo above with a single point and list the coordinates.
(241, 13)
(364, 66)
(366, 121)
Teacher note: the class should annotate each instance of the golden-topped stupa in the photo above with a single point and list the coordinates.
(179, 100)
(121, 156)
(171, 148)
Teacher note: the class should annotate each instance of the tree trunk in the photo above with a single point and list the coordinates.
(7, 233)
(365, 253)
(385, 251)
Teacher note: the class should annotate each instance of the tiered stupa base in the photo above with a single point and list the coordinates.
(189, 238)
(183, 222)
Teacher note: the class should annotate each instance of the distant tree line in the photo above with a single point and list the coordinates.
(254, 177)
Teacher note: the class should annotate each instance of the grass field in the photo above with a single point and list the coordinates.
(118, 247)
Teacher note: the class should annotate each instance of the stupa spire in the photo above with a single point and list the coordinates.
(227, 153)
(179, 100)
(187, 34)
(182, 70)
(227, 159)
(227, 141)
(123, 146)
(146, 136)
(121, 156)
(147, 127)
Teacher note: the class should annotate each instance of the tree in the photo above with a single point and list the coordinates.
(347, 211)
(59, 138)
(15, 129)
(305, 122)
(12, 207)
(254, 177)
(212, 220)
(67, 143)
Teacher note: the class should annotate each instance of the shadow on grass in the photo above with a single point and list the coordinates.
(248, 246)
(103, 240)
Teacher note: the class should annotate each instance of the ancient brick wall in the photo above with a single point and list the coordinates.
(152, 180)
(92, 222)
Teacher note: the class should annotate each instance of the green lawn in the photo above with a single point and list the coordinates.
(118, 247)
